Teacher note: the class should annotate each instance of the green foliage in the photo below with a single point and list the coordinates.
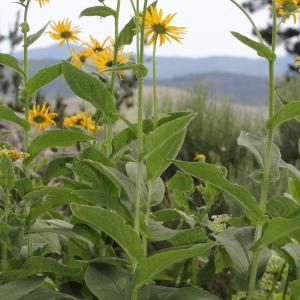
(98, 11)
(11, 62)
(9, 115)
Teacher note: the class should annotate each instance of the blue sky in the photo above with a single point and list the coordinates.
(208, 22)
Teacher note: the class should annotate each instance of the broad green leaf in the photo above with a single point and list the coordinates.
(113, 225)
(118, 178)
(7, 173)
(16, 289)
(48, 198)
(57, 167)
(98, 11)
(191, 236)
(94, 154)
(295, 289)
(54, 138)
(34, 37)
(260, 48)
(181, 182)
(191, 293)
(278, 228)
(108, 282)
(293, 250)
(256, 145)
(91, 89)
(238, 243)
(47, 294)
(153, 265)
(11, 62)
(9, 115)
(283, 207)
(40, 79)
(288, 112)
(215, 177)
(39, 265)
(163, 145)
(140, 70)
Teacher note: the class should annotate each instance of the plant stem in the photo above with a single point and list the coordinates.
(195, 270)
(6, 212)
(286, 283)
(267, 160)
(140, 38)
(109, 130)
(155, 103)
(148, 211)
(27, 103)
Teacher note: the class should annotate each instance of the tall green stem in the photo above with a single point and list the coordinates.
(6, 213)
(27, 103)
(155, 103)
(267, 159)
(109, 130)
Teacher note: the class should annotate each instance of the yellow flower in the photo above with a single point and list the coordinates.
(84, 120)
(42, 2)
(80, 58)
(13, 154)
(96, 47)
(199, 157)
(158, 27)
(297, 63)
(288, 8)
(41, 117)
(105, 59)
(64, 32)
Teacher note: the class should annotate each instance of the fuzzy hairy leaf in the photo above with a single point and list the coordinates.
(9, 115)
(11, 62)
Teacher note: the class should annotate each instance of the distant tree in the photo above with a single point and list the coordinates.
(288, 36)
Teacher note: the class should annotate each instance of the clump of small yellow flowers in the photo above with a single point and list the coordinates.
(199, 157)
(158, 27)
(13, 154)
(80, 58)
(64, 32)
(41, 117)
(288, 8)
(84, 120)
(105, 59)
(42, 2)
(297, 63)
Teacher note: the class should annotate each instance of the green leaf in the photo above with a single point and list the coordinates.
(261, 49)
(215, 177)
(295, 289)
(57, 167)
(256, 145)
(286, 113)
(9, 115)
(34, 37)
(94, 154)
(163, 145)
(91, 89)
(191, 293)
(153, 265)
(7, 173)
(238, 243)
(114, 226)
(36, 265)
(181, 182)
(98, 11)
(140, 70)
(283, 207)
(276, 229)
(40, 79)
(16, 289)
(11, 62)
(47, 294)
(48, 198)
(54, 138)
(108, 282)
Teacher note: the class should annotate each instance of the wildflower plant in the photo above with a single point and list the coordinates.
(86, 223)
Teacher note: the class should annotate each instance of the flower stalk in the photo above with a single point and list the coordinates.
(155, 102)
(6, 213)
(267, 158)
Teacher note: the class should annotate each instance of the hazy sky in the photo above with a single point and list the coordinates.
(208, 22)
